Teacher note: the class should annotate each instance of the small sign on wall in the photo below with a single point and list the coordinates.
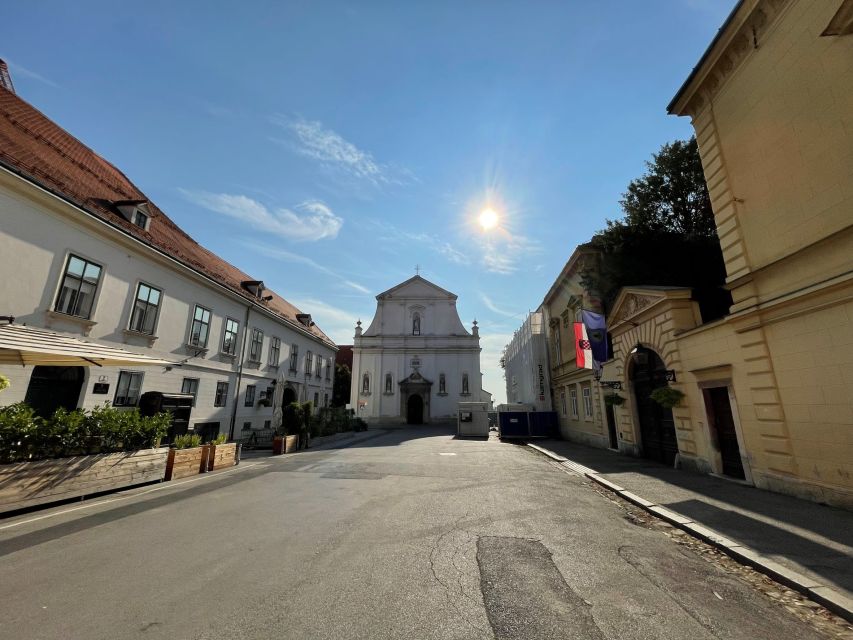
(101, 388)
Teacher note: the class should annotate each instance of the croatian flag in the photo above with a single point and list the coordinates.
(583, 348)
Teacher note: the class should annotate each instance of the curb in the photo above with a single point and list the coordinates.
(828, 597)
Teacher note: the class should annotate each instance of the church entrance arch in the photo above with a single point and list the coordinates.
(288, 396)
(415, 409)
(657, 427)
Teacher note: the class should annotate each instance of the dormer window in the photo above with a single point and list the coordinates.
(305, 318)
(255, 287)
(135, 211)
(140, 219)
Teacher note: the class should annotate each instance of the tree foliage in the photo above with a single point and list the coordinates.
(343, 379)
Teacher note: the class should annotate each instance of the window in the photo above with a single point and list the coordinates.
(140, 219)
(442, 384)
(319, 366)
(247, 425)
(275, 350)
(294, 355)
(587, 401)
(464, 384)
(250, 396)
(267, 424)
(256, 346)
(325, 399)
(316, 401)
(388, 383)
(79, 284)
(563, 401)
(145, 308)
(127, 390)
(229, 340)
(329, 369)
(200, 327)
(221, 398)
(558, 357)
(416, 324)
(573, 394)
(190, 385)
(365, 384)
(309, 363)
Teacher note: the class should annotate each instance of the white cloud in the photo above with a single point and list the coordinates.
(491, 306)
(312, 221)
(288, 256)
(19, 71)
(438, 245)
(502, 252)
(311, 139)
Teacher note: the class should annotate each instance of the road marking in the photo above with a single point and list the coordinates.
(447, 454)
(159, 487)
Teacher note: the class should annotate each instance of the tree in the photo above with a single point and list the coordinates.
(343, 379)
(667, 236)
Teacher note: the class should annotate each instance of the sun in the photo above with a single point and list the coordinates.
(488, 218)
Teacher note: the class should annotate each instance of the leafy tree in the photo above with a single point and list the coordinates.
(343, 379)
(667, 236)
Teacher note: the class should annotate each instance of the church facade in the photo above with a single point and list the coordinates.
(416, 361)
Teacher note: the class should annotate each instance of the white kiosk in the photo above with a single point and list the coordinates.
(472, 419)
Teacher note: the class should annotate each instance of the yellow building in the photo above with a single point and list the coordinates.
(769, 388)
(575, 395)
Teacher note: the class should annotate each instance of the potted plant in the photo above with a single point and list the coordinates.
(667, 397)
(187, 457)
(613, 400)
(221, 453)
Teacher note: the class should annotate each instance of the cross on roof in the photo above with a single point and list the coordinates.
(417, 269)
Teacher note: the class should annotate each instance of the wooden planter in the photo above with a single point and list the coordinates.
(284, 444)
(291, 444)
(221, 455)
(182, 463)
(25, 484)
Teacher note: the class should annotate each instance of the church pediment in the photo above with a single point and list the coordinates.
(415, 379)
(416, 287)
(632, 301)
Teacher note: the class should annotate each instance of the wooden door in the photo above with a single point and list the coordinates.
(723, 423)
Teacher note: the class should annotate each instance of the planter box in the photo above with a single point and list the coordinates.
(291, 444)
(284, 444)
(182, 463)
(25, 484)
(221, 456)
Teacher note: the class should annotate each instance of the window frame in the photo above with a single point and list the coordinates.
(275, 348)
(227, 332)
(328, 369)
(573, 397)
(563, 402)
(148, 305)
(309, 364)
(131, 374)
(220, 399)
(257, 340)
(466, 391)
(586, 394)
(193, 393)
(193, 320)
(249, 395)
(81, 279)
(294, 358)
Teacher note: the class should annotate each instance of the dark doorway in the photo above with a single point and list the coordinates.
(657, 427)
(54, 387)
(611, 427)
(721, 418)
(415, 410)
(288, 396)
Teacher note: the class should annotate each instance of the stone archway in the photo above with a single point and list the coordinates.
(647, 372)
(415, 409)
(415, 386)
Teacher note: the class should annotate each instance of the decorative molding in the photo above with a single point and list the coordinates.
(632, 305)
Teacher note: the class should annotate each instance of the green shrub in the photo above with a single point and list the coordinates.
(613, 400)
(292, 419)
(220, 439)
(667, 397)
(187, 441)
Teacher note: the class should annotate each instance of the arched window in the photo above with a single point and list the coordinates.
(416, 324)
(442, 384)
(465, 384)
(365, 383)
(387, 383)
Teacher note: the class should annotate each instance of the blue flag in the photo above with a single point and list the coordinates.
(596, 331)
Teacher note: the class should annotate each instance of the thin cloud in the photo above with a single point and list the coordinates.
(434, 243)
(491, 306)
(337, 323)
(313, 140)
(503, 252)
(288, 256)
(18, 70)
(311, 221)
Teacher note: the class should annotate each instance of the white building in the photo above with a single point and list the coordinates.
(84, 252)
(528, 379)
(415, 361)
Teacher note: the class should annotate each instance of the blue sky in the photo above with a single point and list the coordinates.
(329, 147)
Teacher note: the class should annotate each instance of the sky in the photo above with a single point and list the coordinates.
(327, 148)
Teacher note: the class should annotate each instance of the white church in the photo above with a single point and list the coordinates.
(416, 361)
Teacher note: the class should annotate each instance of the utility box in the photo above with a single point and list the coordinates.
(472, 419)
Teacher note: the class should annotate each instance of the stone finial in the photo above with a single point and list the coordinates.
(358, 327)
(475, 329)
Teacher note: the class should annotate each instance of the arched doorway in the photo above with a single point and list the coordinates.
(54, 387)
(657, 427)
(415, 409)
(288, 396)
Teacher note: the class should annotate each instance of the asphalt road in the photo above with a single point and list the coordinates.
(412, 534)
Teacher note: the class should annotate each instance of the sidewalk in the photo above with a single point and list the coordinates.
(762, 528)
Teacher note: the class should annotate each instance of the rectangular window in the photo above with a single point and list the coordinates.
(201, 327)
(127, 389)
(316, 401)
(587, 401)
(309, 364)
(79, 284)
(229, 340)
(294, 355)
(558, 356)
(325, 399)
(256, 346)
(221, 398)
(140, 219)
(319, 366)
(190, 385)
(250, 396)
(275, 350)
(573, 395)
(247, 425)
(328, 369)
(146, 305)
(563, 401)
(267, 424)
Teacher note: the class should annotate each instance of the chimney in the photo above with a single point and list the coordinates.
(5, 78)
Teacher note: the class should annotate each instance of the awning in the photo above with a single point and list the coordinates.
(24, 345)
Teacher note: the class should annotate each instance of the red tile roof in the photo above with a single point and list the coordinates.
(41, 151)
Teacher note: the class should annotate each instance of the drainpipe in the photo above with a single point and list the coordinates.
(239, 374)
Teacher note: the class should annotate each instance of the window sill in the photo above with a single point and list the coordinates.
(230, 356)
(84, 323)
(388, 393)
(442, 393)
(130, 333)
(272, 366)
(465, 394)
(365, 393)
(197, 350)
(253, 363)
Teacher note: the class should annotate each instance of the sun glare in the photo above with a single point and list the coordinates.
(488, 219)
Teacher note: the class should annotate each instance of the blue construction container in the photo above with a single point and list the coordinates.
(513, 424)
(543, 424)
